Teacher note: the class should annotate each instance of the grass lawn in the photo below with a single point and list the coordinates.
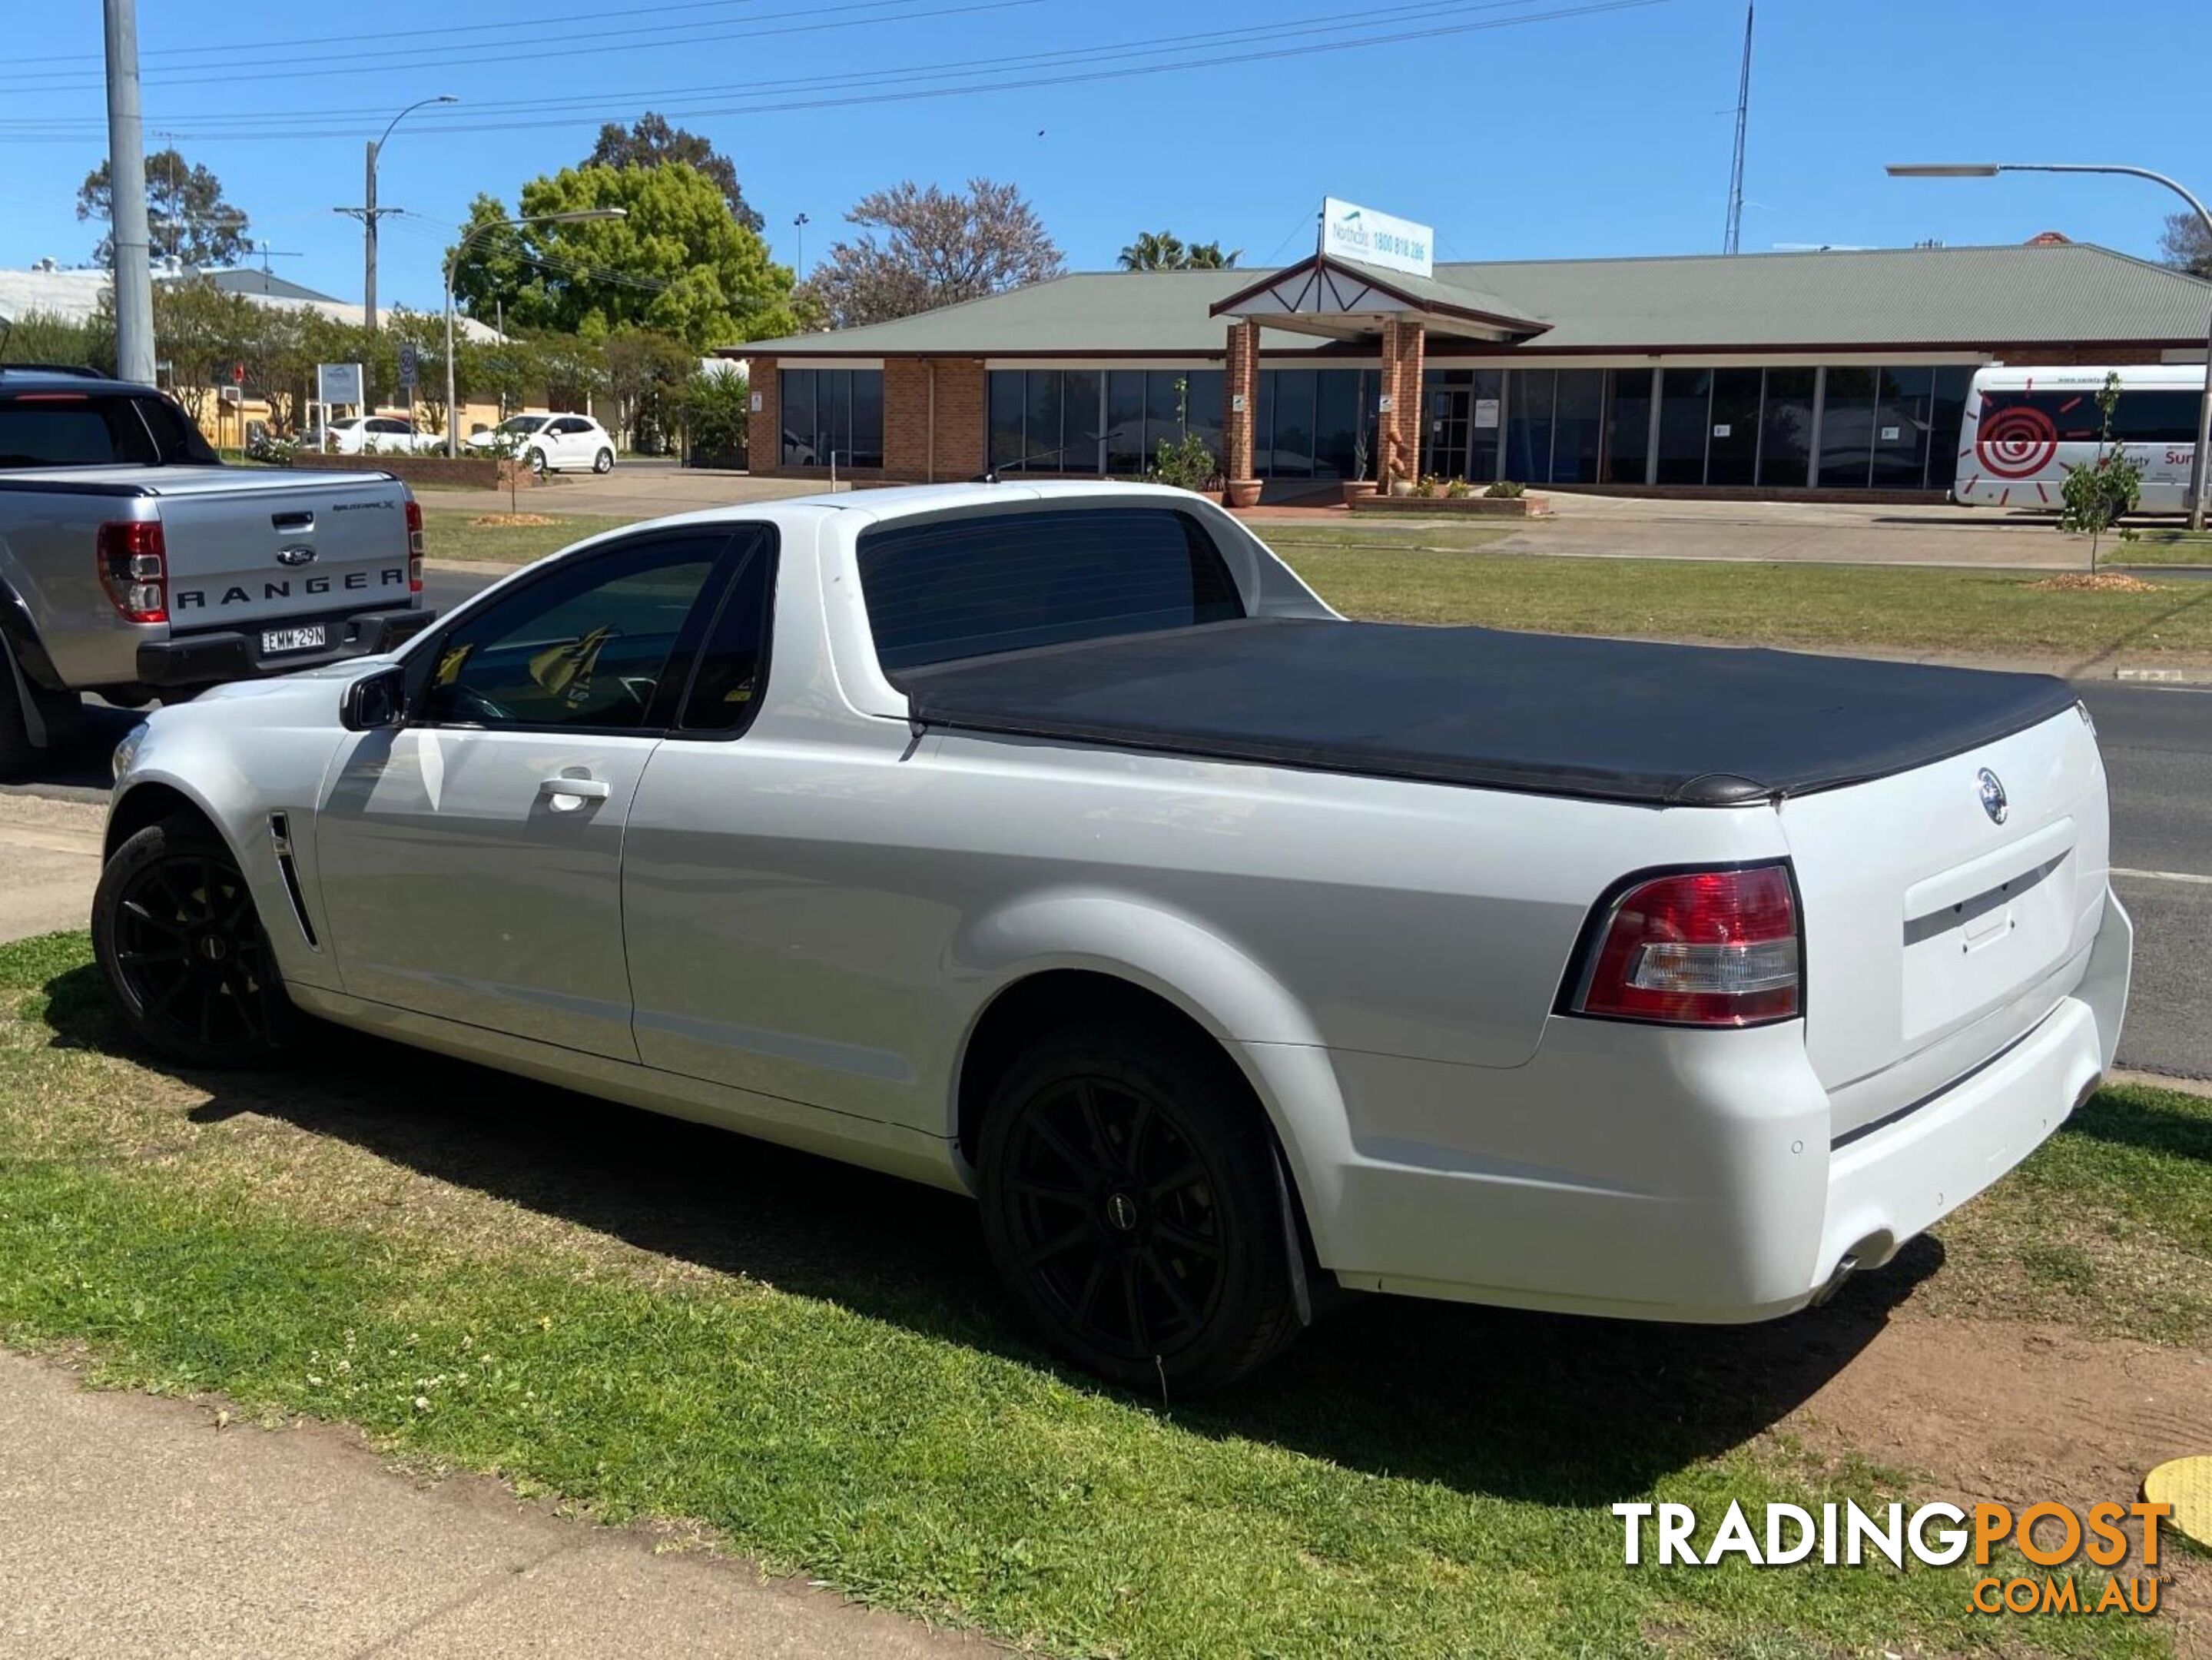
(454, 533)
(652, 1318)
(1950, 610)
(2163, 546)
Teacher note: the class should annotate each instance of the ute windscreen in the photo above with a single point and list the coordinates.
(983, 584)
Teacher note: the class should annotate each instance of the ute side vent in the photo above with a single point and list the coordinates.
(280, 843)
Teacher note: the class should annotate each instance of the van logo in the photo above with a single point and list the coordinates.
(1993, 797)
(296, 555)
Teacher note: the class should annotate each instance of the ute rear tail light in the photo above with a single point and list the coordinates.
(414, 545)
(134, 570)
(1697, 948)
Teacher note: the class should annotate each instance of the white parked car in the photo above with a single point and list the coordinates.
(386, 435)
(1054, 842)
(552, 443)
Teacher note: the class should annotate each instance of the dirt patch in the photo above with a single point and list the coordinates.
(2017, 1414)
(511, 521)
(2103, 582)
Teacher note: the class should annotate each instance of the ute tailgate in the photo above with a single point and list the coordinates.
(272, 547)
(1937, 931)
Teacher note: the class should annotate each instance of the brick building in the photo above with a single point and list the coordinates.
(1772, 374)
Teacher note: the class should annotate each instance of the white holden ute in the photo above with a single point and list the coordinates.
(1055, 844)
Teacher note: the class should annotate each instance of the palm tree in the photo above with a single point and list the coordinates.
(1165, 250)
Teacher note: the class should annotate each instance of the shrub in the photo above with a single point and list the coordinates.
(1505, 490)
(717, 416)
(1458, 489)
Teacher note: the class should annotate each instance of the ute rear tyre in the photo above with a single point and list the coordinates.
(603, 461)
(181, 946)
(1130, 1202)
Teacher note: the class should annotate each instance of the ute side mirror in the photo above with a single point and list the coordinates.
(375, 701)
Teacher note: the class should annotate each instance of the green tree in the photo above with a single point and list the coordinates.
(495, 271)
(1164, 251)
(2097, 495)
(42, 337)
(187, 214)
(647, 373)
(202, 332)
(920, 249)
(2185, 244)
(652, 140)
(679, 263)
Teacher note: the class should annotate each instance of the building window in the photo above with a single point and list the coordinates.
(1628, 424)
(1080, 420)
(1785, 435)
(1947, 417)
(1903, 398)
(1685, 400)
(832, 415)
(1732, 433)
(1528, 426)
(1578, 426)
(1847, 428)
(1314, 423)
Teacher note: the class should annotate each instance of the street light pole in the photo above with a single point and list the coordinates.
(469, 233)
(1991, 169)
(370, 213)
(799, 263)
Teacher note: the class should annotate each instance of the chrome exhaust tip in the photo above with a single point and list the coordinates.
(1846, 1266)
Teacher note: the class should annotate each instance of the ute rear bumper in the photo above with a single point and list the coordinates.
(1689, 1176)
(220, 655)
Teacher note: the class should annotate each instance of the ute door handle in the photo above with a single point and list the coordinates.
(567, 794)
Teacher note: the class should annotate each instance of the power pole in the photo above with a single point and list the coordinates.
(126, 186)
(1732, 243)
(369, 244)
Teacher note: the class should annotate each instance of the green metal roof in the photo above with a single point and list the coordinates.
(1925, 297)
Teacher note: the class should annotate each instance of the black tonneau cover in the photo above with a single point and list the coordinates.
(1609, 719)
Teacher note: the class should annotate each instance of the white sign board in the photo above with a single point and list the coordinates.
(409, 360)
(1349, 231)
(1485, 411)
(337, 383)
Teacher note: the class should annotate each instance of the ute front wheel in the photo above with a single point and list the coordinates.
(177, 936)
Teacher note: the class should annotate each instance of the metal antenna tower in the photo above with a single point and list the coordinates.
(1734, 240)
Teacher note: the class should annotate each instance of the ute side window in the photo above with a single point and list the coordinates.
(726, 688)
(947, 589)
(590, 646)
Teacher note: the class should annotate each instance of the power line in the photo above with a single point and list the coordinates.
(535, 21)
(1328, 22)
(912, 94)
(291, 69)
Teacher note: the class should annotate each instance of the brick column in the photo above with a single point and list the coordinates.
(1241, 382)
(1398, 430)
(765, 427)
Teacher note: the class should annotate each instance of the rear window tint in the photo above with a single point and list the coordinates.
(972, 588)
(80, 429)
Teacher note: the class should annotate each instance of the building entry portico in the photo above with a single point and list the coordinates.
(1363, 312)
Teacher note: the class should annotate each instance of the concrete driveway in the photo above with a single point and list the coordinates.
(635, 489)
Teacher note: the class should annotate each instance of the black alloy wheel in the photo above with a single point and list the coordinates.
(1130, 1202)
(181, 946)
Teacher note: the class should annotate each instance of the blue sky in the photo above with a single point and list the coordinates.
(1575, 129)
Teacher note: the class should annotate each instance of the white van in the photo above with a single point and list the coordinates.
(2026, 428)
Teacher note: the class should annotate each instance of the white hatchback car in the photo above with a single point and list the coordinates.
(552, 443)
(380, 434)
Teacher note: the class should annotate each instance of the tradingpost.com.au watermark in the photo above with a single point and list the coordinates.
(2049, 1535)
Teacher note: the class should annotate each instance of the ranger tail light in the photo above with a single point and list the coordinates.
(1698, 948)
(414, 545)
(134, 570)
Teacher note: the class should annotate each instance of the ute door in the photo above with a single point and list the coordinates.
(471, 858)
